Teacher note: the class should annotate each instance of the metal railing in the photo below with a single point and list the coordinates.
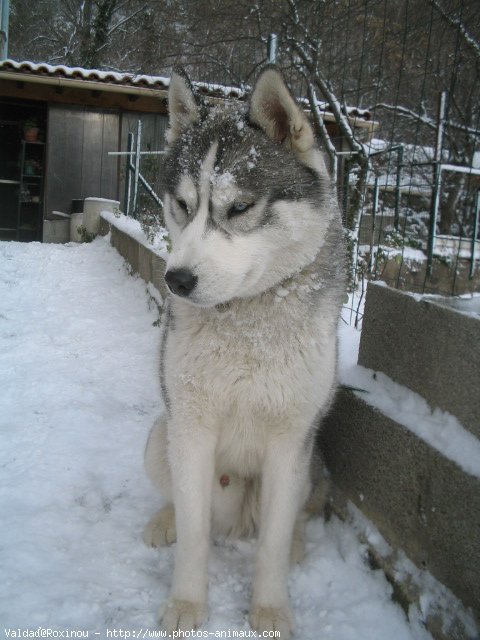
(133, 176)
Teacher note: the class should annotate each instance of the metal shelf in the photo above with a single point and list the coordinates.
(29, 213)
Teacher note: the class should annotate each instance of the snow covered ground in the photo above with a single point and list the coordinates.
(78, 393)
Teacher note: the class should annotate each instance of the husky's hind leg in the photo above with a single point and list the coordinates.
(160, 530)
(314, 506)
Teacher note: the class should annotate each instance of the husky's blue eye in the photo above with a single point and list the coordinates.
(238, 208)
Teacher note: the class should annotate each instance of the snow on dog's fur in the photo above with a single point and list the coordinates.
(248, 354)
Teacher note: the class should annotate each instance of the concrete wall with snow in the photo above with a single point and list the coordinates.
(421, 501)
(129, 240)
(413, 469)
(427, 346)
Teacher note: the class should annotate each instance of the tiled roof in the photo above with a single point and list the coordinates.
(78, 73)
(142, 81)
(113, 77)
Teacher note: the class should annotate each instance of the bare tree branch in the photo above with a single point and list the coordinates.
(126, 19)
(424, 119)
(329, 96)
(327, 142)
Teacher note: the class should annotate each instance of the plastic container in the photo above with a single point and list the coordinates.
(92, 209)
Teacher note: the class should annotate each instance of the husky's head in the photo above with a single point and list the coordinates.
(247, 197)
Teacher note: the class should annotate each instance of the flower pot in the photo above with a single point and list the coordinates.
(31, 134)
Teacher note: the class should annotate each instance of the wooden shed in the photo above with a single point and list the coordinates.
(81, 115)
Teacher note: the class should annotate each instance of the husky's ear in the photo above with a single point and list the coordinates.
(182, 105)
(274, 109)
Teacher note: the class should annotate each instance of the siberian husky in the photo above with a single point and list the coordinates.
(248, 355)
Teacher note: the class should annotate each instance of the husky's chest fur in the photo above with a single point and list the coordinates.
(252, 366)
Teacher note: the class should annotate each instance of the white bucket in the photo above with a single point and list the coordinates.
(92, 209)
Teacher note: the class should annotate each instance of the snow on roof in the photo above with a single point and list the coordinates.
(113, 77)
(144, 81)
(352, 112)
(79, 73)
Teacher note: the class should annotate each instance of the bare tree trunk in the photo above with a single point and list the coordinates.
(85, 33)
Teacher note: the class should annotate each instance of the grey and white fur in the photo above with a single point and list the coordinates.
(248, 355)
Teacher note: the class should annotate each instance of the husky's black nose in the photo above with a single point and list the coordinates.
(181, 282)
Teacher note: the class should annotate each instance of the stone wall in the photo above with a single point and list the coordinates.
(421, 501)
(143, 260)
(426, 346)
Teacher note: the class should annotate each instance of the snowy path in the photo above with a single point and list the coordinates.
(78, 392)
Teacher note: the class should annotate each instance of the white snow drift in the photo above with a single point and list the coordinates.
(78, 393)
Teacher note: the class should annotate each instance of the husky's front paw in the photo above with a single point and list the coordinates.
(182, 615)
(268, 619)
(161, 530)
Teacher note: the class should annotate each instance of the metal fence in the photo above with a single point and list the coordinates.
(400, 238)
(141, 175)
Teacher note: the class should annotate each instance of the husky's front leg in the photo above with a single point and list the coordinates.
(191, 459)
(284, 488)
